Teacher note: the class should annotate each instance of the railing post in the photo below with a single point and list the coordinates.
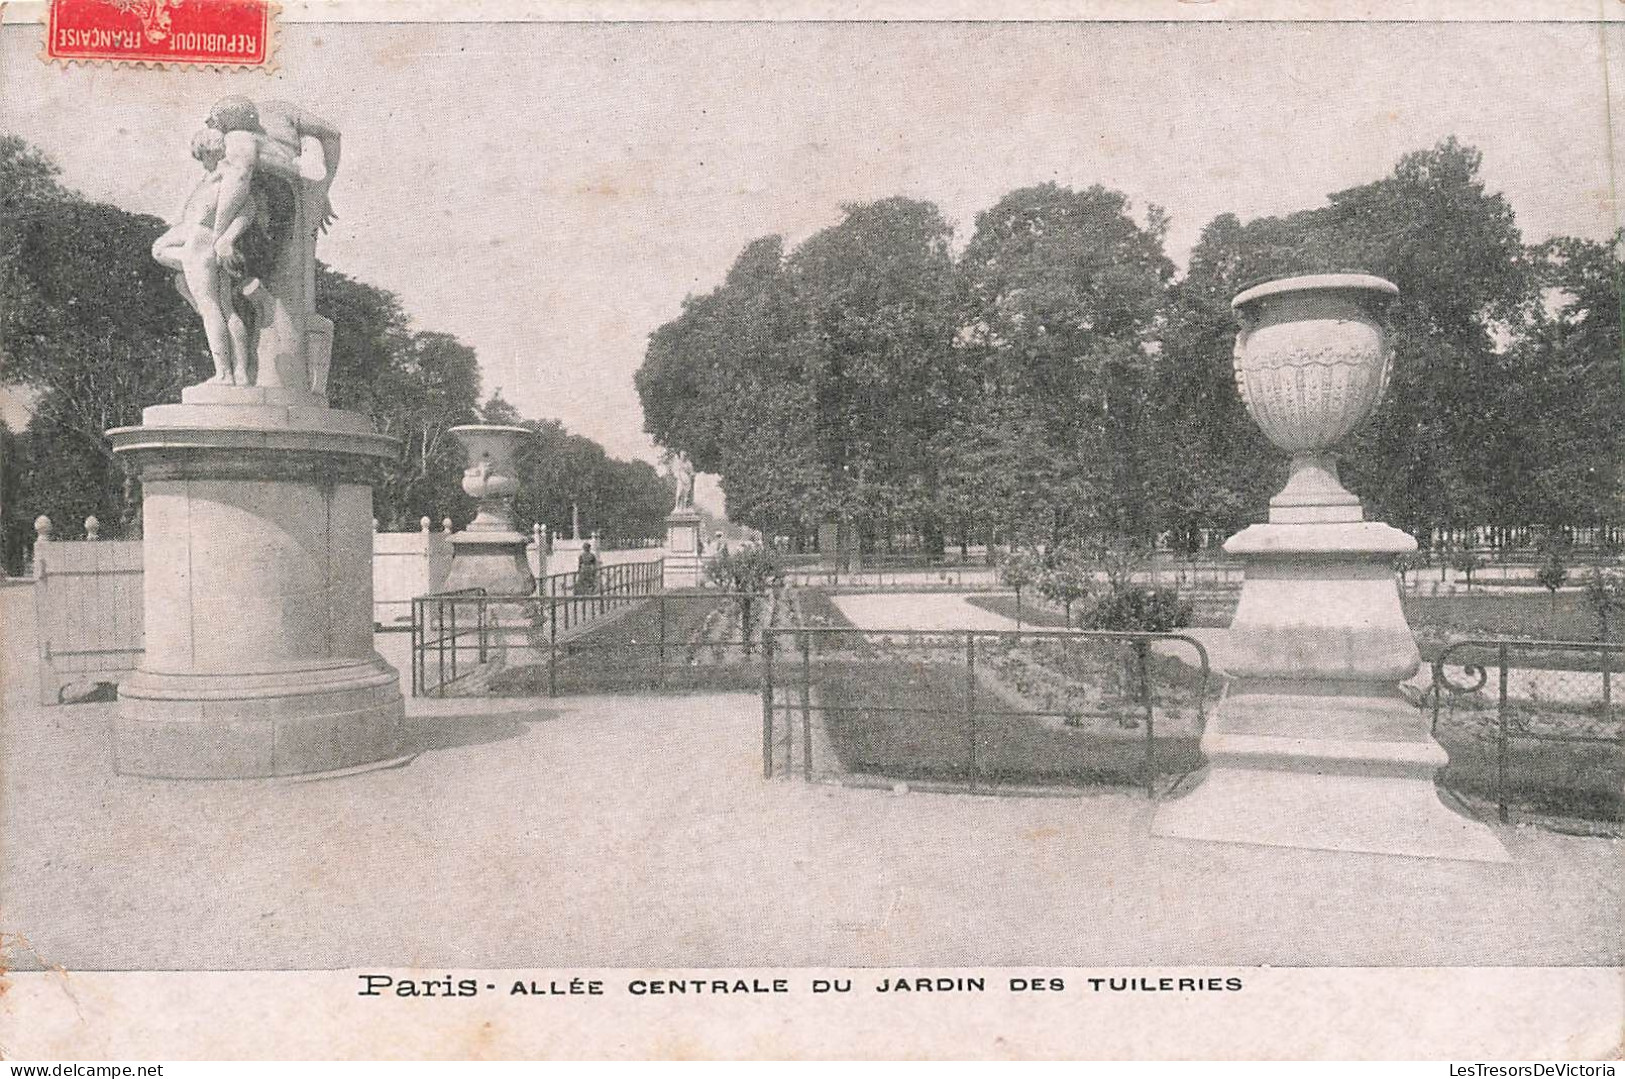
(1607, 681)
(417, 641)
(553, 647)
(970, 700)
(481, 624)
(1143, 648)
(454, 640)
(440, 646)
(1438, 694)
(660, 658)
(1501, 738)
(806, 706)
(767, 695)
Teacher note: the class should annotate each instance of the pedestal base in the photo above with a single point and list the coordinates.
(1325, 767)
(253, 725)
(1315, 746)
(684, 558)
(494, 562)
(1358, 813)
(257, 581)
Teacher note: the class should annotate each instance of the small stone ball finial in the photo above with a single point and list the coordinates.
(445, 524)
(375, 524)
(424, 524)
(93, 528)
(42, 526)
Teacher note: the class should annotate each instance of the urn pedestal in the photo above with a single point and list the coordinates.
(1314, 745)
(258, 589)
(683, 565)
(490, 553)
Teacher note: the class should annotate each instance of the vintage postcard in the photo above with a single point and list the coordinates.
(1057, 530)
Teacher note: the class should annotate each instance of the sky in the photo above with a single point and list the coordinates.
(550, 193)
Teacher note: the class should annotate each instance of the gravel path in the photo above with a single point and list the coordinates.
(637, 830)
(919, 610)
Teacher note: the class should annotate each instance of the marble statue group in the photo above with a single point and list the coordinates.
(243, 247)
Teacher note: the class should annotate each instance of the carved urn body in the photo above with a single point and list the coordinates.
(490, 553)
(1312, 360)
(489, 478)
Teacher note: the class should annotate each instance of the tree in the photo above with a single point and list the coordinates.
(814, 383)
(1466, 560)
(560, 472)
(431, 384)
(1066, 580)
(1061, 292)
(1552, 574)
(1566, 370)
(97, 331)
(748, 572)
(1605, 597)
(1018, 569)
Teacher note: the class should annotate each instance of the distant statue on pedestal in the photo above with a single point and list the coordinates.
(244, 249)
(682, 471)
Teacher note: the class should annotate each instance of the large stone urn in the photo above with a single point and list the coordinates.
(1315, 744)
(490, 553)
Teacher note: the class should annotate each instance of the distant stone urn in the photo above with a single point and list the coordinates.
(489, 478)
(1312, 361)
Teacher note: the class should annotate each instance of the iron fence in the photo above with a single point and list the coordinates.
(1557, 695)
(577, 600)
(984, 708)
(588, 642)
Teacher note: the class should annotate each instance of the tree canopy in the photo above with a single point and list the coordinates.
(1056, 381)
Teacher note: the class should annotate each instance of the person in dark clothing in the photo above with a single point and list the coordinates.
(587, 571)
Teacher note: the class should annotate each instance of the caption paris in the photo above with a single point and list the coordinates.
(384, 985)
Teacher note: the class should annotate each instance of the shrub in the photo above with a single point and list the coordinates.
(1067, 579)
(1146, 610)
(1018, 569)
(1605, 598)
(749, 569)
(1553, 573)
(1407, 564)
(1466, 561)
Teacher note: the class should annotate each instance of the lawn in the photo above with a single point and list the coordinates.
(1438, 620)
(679, 641)
(1568, 778)
(1497, 614)
(907, 720)
(1045, 713)
(1208, 610)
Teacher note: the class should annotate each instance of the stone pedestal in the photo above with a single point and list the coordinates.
(684, 563)
(258, 590)
(1314, 745)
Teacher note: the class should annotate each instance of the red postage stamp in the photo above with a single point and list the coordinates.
(235, 33)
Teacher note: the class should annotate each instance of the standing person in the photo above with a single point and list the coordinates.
(587, 571)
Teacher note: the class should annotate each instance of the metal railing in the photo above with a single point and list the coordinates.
(437, 640)
(1571, 703)
(575, 604)
(962, 688)
(634, 638)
